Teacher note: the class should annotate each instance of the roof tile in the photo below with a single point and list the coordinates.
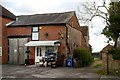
(41, 19)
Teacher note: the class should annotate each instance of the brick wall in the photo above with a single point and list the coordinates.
(76, 39)
(75, 32)
(4, 40)
(73, 22)
(55, 32)
(16, 31)
(113, 65)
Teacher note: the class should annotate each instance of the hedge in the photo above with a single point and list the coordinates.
(84, 55)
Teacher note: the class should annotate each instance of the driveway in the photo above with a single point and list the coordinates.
(13, 72)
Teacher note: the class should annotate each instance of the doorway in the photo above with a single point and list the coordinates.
(17, 50)
(40, 52)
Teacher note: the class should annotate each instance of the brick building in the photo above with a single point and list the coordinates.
(5, 17)
(59, 32)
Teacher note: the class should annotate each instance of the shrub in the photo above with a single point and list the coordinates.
(115, 53)
(84, 55)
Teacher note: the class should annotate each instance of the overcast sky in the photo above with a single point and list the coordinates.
(25, 7)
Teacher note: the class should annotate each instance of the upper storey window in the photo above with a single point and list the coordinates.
(35, 33)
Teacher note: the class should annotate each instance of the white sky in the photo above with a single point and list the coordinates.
(25, 7)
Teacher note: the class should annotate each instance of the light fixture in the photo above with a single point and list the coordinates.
(40, 28)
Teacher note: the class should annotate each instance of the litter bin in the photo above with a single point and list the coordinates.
(69, 62)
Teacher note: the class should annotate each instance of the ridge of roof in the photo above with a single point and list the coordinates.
(47, 13)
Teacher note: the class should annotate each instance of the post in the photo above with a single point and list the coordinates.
(107, 64)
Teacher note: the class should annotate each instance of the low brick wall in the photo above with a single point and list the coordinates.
(114, 65)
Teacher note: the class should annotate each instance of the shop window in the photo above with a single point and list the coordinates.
(49, 49)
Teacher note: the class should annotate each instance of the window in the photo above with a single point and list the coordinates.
(35, 29)
(49, 49)
(35, 36)
(39, 53)
(35, 33)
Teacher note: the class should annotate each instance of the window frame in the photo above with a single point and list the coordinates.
(34, 29)
(35, 33)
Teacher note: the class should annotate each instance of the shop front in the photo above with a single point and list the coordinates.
(43, 48)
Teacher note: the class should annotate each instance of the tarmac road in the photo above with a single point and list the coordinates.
(22, 72)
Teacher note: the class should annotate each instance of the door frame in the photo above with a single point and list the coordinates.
(37, 54)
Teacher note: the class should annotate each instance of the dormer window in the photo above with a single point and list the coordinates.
(35, 33)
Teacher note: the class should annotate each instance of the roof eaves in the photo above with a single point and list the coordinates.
(10, 23)
(34, 24)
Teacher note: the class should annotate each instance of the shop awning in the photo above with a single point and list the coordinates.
(43, 43)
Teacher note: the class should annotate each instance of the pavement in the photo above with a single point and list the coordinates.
(33, 72)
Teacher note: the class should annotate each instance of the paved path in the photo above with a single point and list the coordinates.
(11, 72)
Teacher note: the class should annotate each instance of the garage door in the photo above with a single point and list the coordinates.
(17, 51)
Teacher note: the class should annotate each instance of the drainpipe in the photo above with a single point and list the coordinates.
(107, 64)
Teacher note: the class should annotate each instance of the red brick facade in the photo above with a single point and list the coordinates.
(69, 35)
(4, 39)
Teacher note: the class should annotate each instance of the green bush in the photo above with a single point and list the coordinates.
(84, 55)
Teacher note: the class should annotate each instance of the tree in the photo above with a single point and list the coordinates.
(91, 9)
(112, 31)
(109, 11)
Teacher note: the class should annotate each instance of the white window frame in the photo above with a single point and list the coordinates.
(35, 36)
(35, 33)
(35, 29)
